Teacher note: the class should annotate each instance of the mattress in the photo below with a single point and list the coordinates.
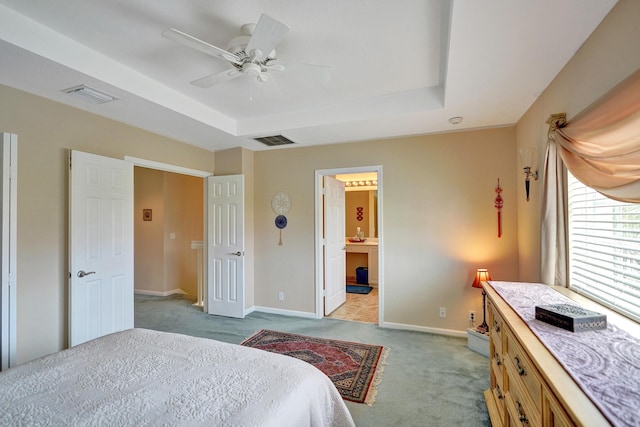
(142, 377)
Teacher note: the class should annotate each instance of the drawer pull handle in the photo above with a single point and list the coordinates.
(499, 393)
(496, 326)
(497, 357)
(521, 415)
(519, 368)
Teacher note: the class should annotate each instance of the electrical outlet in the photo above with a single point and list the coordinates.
(472, 316)
(443, 311)
(281, 296)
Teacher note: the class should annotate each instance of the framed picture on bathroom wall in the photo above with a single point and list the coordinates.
(146, 214)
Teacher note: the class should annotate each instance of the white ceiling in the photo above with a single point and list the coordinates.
(398, 68)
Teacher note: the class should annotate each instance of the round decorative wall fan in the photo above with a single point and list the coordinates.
(281, 203)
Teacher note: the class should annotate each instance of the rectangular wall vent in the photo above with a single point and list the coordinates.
(274, 140)
(89, 94)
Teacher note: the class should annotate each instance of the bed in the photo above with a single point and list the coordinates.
(142, 377)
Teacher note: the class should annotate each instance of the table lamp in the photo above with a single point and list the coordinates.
(482, 275)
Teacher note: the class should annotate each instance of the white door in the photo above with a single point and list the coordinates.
(8, 231)
(335, 249)
(225, 250)
(101, 246)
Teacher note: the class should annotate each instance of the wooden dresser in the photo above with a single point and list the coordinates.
(528, 385)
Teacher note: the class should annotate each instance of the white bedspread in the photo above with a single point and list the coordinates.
(142, 377)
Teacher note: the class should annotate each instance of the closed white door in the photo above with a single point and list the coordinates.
(335, 248)
(101, 246)
(225, 245)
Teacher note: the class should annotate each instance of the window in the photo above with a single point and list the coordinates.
(604, 249)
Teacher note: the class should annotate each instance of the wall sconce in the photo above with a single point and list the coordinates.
(482, 275)
(528, 162)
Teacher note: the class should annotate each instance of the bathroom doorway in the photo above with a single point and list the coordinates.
(363, 244)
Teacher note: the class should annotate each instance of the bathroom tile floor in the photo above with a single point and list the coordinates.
(359, 308)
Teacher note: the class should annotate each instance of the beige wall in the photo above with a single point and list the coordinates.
(439, 222)
(605, 59)
(353, 200)
(149, 235)
(184, 218)
(46, 132)
(164, 265)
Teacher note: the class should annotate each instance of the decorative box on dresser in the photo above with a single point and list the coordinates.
(528, 385)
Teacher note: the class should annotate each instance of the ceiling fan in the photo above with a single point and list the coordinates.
(251, 54)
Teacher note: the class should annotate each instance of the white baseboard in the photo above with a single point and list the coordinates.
(283, 312)
(159, 294)
(439, 331)
(389, 325)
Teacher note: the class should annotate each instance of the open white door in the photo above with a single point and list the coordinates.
(100, 246)
(225, 250)
(335, 248)
(8, 230)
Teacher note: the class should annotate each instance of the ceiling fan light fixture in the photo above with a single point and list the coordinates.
(251, 69)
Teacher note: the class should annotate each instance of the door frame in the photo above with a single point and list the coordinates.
(319, 247)
(167, 167)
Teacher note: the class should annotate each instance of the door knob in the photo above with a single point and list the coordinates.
(83, 273)
(237, 253)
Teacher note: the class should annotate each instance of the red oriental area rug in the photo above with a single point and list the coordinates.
(354, 368)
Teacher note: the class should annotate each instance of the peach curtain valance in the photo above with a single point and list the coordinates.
(601, 145)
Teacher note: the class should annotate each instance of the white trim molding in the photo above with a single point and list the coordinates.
(284, 312)
(160, 294)
(166, 167)
(438, 331)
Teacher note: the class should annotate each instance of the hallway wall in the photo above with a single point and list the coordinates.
(164, 260)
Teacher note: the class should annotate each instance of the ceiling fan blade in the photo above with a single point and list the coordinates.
(320, 74)
(304, 79)
(199, 45)
(267, 34)
(274, 66)
(217, 78)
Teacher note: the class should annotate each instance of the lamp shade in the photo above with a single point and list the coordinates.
(482, 275)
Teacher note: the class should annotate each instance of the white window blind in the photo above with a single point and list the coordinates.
(604, 249)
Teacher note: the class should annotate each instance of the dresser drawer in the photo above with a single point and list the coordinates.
(497, 369)
(553, 415)
(498, 395)
(521, 370)
(496, 329)
(520, 410)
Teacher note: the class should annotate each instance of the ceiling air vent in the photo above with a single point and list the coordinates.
(274, 140)
(89, 94)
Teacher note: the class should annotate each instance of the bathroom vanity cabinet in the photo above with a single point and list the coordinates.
(369, 247)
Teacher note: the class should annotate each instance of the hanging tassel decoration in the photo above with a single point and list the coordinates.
(498, 204)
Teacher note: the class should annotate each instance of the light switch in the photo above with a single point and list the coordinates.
(172, 236)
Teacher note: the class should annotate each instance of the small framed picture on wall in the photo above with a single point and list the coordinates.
(146, 214)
